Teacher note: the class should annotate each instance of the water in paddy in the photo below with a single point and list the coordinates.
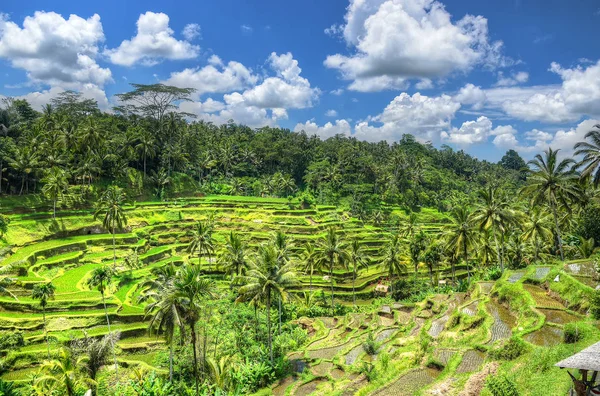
(486, 287)
(587, 280)
(585, 269)
(542, 299)
(385, 334)
(471, 361)
(444, 355)
(326, 353)
(503, 321)
(438, 326)
(354, 354)
(308, 388)
(418, 324)
(558, 316)
(411, 382)
(321, 369)
(279, 390)
(336, 374)
(541, 273)
(471, 309)
(546, 336)
(515, 276)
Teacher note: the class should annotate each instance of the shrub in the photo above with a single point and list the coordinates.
(511, 350)
(493, 274)
(371, 346)
(10, 340)
(369, 370)
(499, 385)
(434, 364)
(572, 334)
(595, 305)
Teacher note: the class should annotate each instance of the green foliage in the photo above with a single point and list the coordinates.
(11, 340)
(588, 223)
(371, 346)
(512, 349)
(572, 333)
(595, 305)
(500, 385)
(4, 222)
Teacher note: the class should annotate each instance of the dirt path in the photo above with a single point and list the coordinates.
(476, 383)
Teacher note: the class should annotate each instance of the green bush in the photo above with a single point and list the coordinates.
(499, 385)
(371, 346)
(595, 305)
(572, 334)
(511, 350)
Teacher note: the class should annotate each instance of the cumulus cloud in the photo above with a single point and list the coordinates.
(340, 127)
(396, 40)
(513, 79)
(38, 99)
(331, 113)
(191, 31)
(478, 131)
(152, 43)
(337, 92)
(471, 95)
(54, 50)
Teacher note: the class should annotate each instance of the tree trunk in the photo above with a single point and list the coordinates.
(498, 250)
(558, 236)
(114, 244)
(331, 280)
(193, 333)
(46, 331)
(311, 274)
(22, 185)
(109, 331)
(269, 325)
(353, 283)
(279, 313)
(54, 210)
(466, 253)
(171, 361)
(144, 164)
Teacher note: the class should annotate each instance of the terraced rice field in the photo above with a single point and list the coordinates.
(471, 361)
(546, 336)
(409, 383)
(504, 321)
(542, 298)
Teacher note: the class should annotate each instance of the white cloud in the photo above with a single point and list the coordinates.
(246, 29)
(543, 107)
(214, 78)
(191, 31)
(424, 84)
(478, 131)
(337, 92)
(471, 95)
(331, 113)
(513, 79)
(152, 43)
(395, 40)
(53, 50)
(341, 127)
(38, 99)
(208, 106)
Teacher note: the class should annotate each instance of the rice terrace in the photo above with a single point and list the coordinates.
(342, 197)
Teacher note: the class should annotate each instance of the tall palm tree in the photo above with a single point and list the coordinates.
(166, 314)
(461, 236)
(494, 213)
(110, 208)
(553, 182)
(94, 353)
(536, 229)
(191, 291)
(202, 240)
(309, 259)
(233, 257)
(416, 246)
(431, 258)
(100, 279)
(43, 293)
(411, 226)
(24, 161)
(283, 256)
(393, 259)
(358, 259)
(265, 278)
(145, 147)
(55, 185)
(333, 254)
(591, 155)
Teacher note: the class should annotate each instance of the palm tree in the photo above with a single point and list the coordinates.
(536, 228)
(358, 259)
(62, 371)
(220, 371)
(309, 259)
(25, 161)
(264, 278)
(100, 279)
(110, 208)
(145, 147)
(461, 236)
(332, 254)
(411, 226)
(416, 246)
(191, 291)
(233, 257)
(283, 256)
(431, 258)
(43, 293)
(55, 185)
(485, 248)
(202, 240)
(553, 182)
(94, 353)
(591, 155)
(164, 308)
(393, 259)
(493, 213)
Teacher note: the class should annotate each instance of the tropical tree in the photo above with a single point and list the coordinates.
(432, 258)
(591, 155)
(61, 372)
(55, 185)
(110, 209)
(536, 229)
(553, 182)
(280, 242)
(393, 259)
(358, 259)
(416, 246)
(43, 293)
(191, 292)
(100, 279)
(94, 353)
(265, 278)
(202, 240)
(145, 147)
(309, 258)
(24, 161)
(233, 258)
(333, 254)
(411, 226)
(461, 236)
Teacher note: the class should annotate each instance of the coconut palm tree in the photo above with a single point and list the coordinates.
(536, 229)
(43, 293)
(460, 236)
(494, 213)
(110, 209)
(24, 161)
(145, 147)
(309, 259)
(55, 185)
(283, 256)
(333, 254)
(94, 353)
(591, 155)
(393, 259)
(233, 258)
(166, 314)
(553, 182)
(265, 278)
(62, 372)
(358, 259)
(202, 240)
(191, 291)
(431, 258)
(410, 227)
(100, 279)
(416, 246)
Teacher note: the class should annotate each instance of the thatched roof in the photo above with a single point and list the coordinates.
(588, 359)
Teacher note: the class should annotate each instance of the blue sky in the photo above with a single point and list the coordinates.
(470, 74)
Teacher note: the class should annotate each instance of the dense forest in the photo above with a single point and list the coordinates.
(353, 215)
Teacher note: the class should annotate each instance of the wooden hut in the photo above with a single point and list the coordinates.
(588, 364)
